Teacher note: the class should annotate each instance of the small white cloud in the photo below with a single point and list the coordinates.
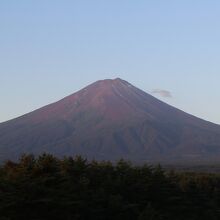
(162, 93)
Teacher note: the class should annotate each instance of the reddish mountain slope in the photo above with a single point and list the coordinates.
(111, 119)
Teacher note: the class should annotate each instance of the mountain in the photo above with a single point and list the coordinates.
(111, 119)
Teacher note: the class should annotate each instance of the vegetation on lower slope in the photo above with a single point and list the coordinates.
(73, 188)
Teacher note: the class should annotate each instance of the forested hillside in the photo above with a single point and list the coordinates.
(73, 188)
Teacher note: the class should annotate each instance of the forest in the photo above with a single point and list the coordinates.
(73, 188)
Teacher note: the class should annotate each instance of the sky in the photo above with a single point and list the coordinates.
(51, 48)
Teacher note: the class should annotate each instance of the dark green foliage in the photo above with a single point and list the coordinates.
(47, 188)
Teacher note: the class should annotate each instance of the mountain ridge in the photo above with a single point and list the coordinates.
(111, 119)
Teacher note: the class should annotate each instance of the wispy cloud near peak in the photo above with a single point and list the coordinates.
(163, 93)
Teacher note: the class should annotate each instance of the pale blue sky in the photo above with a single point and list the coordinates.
(52, 48)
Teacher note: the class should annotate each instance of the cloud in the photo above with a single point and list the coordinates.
(162, 93)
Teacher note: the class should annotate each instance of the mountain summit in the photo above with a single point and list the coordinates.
(111, 119)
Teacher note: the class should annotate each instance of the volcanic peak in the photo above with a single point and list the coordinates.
(111, 82)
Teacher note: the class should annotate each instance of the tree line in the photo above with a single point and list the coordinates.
(45, 187)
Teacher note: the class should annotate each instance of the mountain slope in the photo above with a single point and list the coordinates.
(111, 119)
